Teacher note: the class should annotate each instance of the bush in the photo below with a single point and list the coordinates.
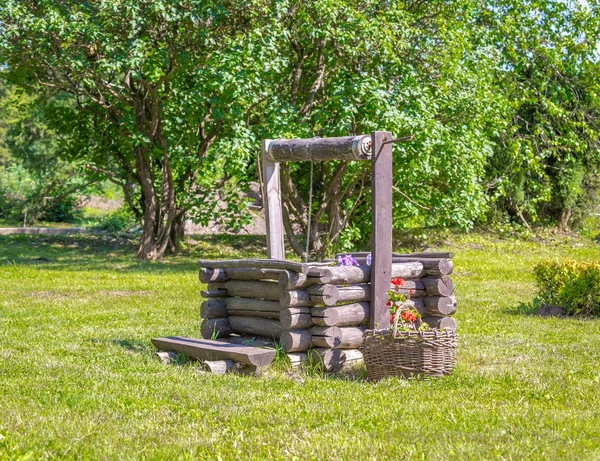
(571, 285)
(118, 221)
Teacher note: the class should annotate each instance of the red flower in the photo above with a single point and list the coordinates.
(392, 318)
(408, 316)
(389, 304)
(412, 291)
(397, 282)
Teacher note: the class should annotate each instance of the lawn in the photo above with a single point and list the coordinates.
(78, 376)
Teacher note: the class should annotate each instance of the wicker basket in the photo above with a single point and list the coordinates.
(429, 353)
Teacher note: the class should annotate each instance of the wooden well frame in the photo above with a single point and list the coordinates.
(344, 148)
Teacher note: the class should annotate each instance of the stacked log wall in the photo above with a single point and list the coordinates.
(316, 306)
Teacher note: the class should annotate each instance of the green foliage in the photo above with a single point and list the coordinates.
(572, 285)
(547, 154)
(118, 221)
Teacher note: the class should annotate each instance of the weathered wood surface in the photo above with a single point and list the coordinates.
(295, 298)
(289, 280)
(445, 255)
(441, 322)
(222, 275)
(325, 336)
(345, 315)
(295, 340)
(251, 304)
(218, 293)
(295, 318)
(438, 306)
(297, 358)
(323, 294)
(320, 149)
(219, 367)
(213, 309)
(340, 337)
(256, 326)
(331, 360)
(381, 229)
(362, 274)
(352, 355)
(272, 203)
(204, 349)
(253, 289)
(431, 266)
(442, 286)
(254, 263)
(215, 328)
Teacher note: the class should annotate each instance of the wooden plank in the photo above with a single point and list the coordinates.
(272, 203)
(381, 230)
(254, 263)
(345, 148)
(205, 349)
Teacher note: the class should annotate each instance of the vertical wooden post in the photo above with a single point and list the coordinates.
(381, 229)
(272, 203)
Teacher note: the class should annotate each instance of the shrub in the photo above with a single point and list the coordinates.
(118, 221)
(571, 285)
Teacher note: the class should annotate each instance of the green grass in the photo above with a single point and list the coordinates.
(79, 380)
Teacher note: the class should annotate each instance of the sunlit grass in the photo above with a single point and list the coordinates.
(78, 377)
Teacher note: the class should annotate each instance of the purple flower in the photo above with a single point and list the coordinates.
(369, 259)
(347, 260)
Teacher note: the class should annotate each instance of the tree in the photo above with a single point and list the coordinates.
(417, 68)
(546, 159)
(149, 85)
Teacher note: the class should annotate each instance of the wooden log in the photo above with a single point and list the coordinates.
(213, 308)
(255, 326)
(339, 337)
(297, 358)
(204, 349)
(295, 318)
(207, 275)
(441, 322)
(323, 294)
(295, 298)
(253, 289)
(331, 360)
(438, 306)
(345, 315)
(250, 304)
(442, 286)
(219, 367)
(254, 263)
(261, 314)
(295, 340)
(354, 293)
(325, 336)
(289, 280)
(166, 357)
(446, 255)
(320, 149)
(431, 266)
(220, 293)
(352, 356)
(215, 328)
(362, 274)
